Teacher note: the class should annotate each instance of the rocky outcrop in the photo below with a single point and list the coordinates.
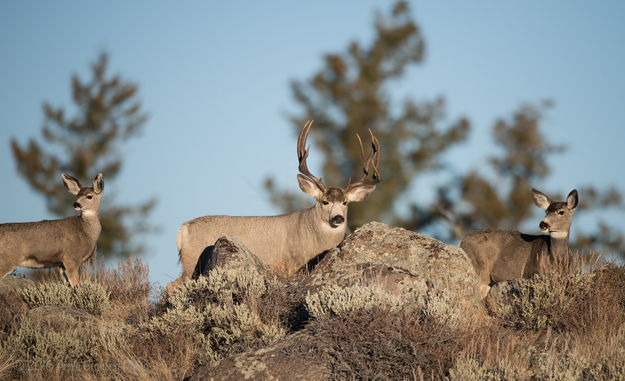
(281, 361)
(413, 268)
(400, 261)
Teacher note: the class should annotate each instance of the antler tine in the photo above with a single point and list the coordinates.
(376, 148)
(376, 178)
(302, 154)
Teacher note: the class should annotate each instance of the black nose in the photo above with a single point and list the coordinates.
(543, 225)
(76, 205)
(337, 220)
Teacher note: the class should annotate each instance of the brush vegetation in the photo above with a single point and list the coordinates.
(568, 324)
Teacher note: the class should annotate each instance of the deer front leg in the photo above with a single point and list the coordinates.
(71, 274)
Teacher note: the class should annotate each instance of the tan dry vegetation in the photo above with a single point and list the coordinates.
(568, 324)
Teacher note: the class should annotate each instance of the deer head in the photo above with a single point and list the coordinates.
(87, 199)
(558, 215)
(332, 202)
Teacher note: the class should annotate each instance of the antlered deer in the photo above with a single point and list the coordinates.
(286, 242)
(64, 243)
(499, 255)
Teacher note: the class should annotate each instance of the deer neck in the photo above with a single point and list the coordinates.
(559, 243)
(91, 223)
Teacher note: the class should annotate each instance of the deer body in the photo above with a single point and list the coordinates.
(499, 255)
(285, 242)
(64, 243)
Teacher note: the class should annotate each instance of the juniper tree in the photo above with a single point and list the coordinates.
(107, 113)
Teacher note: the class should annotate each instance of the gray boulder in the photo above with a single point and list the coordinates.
(403, 263)
(229, 253)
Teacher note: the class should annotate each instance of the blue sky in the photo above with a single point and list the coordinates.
(214, 78)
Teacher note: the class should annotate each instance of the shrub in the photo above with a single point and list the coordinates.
(221, 312)
(440, 306)
(382, 344)
(545, 301)
(89, 296)
(333, 300)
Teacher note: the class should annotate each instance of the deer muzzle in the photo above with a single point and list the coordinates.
(543, 226)
(336, 221)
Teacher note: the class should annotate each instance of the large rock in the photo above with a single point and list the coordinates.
(229, 253)
(401, 262)
(281, 361)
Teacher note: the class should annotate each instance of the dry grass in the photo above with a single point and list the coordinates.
(366, 342)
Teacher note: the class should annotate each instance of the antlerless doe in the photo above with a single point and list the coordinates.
(64, 243)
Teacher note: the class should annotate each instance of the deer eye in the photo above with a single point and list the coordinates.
(324, 202)
(89, 197)
(344, 202)
(561, 212)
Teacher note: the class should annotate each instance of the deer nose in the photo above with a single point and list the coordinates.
(337, 220)
(543, 225)
(76, 205)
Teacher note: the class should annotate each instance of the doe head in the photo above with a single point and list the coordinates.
(558, 215)
(87, 198)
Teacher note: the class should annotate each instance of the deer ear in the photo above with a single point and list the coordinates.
(72, 185)
(359, 193)
(571, 199)
(309, 187)
(98, 184)
(540, 199)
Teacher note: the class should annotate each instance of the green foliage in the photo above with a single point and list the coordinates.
(221, 312)
(107, 114)
(88, 296)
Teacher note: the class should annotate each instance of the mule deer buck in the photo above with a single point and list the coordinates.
(64, 243)
(286, 242)
(499, 255)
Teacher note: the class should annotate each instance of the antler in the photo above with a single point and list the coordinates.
(376, 178)
(302, 154)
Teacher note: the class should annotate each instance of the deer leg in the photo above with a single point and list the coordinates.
(71, 274)
(5, 269)
(484, 288)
